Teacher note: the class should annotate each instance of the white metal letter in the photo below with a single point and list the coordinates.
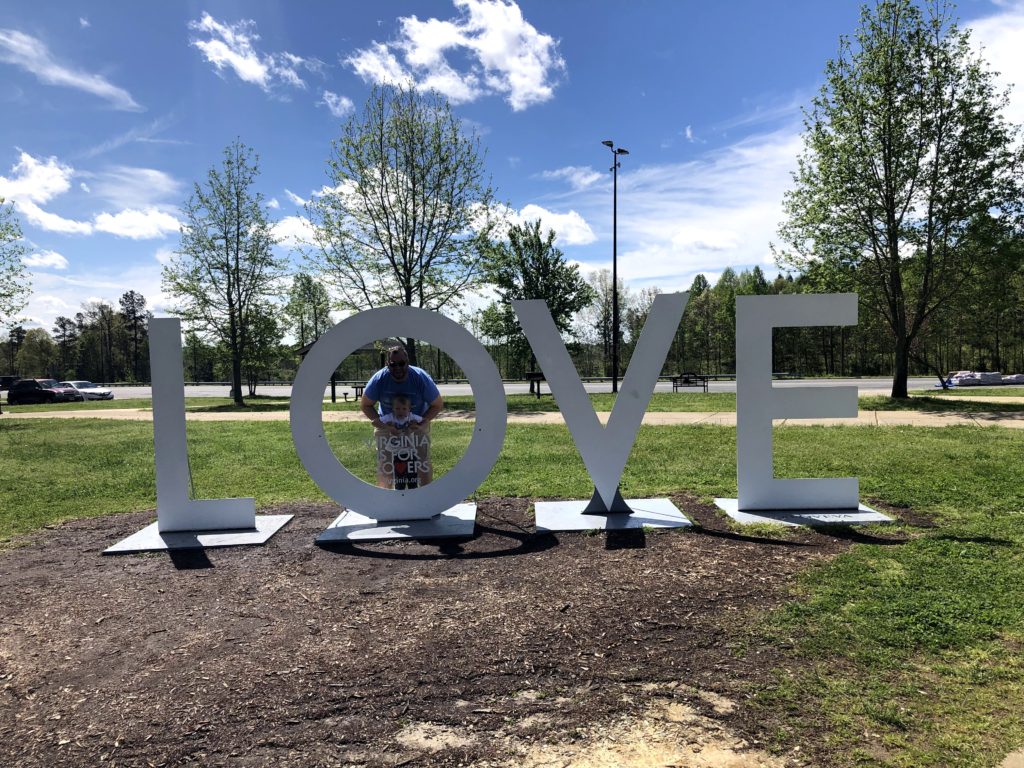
(758, 402)
(174, 509)
(307, 414)
(604, 450)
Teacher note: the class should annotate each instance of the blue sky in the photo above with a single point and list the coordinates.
(110, 111)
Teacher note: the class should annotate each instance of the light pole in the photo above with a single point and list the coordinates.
(616, 151)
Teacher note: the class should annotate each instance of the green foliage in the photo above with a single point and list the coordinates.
(308, 309)
(225, 268)
(14, 285)
(906, 154)
(37, 356)
(529, 266)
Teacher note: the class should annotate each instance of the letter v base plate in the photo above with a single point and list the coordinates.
(568, 516)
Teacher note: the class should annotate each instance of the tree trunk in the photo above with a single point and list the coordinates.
(410, 350)
(899, 378)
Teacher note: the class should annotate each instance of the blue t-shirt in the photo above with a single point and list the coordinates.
(417, 385)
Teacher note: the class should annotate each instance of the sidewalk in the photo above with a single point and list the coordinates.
(656, 418)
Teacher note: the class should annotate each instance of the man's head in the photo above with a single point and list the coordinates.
(400, 407)
(398, 363)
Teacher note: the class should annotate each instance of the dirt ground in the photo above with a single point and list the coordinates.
(509, 649)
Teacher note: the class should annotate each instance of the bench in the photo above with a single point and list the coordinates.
(681, 380)
(535, 376)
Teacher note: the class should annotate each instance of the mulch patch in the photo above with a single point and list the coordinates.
(290, 654)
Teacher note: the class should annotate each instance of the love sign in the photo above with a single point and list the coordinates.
(604, 449)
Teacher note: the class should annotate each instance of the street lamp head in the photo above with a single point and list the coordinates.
(608, 143)
(621, 151)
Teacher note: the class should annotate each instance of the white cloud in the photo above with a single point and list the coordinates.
(339, 106)
(83, 22)
(722, 209)
(273, 204)
(294, 198)
(126, 186)
(293, 231)
(232, 47)
(63, 294)
(143, 134)
(506, 55)
(45, 260)
(137, 224)
(36, 181)
(164, 255)
(570, 228)
(578, 177)
(51, 222)
(32, 55)
(377, 64)
(84, 187)
(999, 38)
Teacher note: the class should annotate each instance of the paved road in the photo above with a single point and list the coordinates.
(865, 386)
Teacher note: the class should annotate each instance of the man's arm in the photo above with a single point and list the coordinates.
(369, 409)
(436, 406)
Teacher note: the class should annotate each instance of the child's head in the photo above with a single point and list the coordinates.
(400, 406)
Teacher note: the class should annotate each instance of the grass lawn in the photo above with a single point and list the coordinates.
(1009, 390)
(903, 655)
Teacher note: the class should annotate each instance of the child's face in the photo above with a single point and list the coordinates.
(400, 410)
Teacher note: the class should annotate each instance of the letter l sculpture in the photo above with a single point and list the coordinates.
(183, 522)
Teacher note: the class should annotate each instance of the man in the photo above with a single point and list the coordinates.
(400, 378)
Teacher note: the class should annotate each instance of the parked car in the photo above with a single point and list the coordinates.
(6, 381)
(90, 391)
(27, 391)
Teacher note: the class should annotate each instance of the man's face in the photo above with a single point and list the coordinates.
(399, 366)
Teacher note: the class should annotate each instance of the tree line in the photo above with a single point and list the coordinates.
(909, 191)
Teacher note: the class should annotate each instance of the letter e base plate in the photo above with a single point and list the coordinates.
(455, 522)
(149, 539)
(568, 516)
(811, 517)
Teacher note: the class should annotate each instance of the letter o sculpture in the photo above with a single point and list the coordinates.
(333, 478)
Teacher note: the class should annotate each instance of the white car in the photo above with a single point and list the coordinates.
(89, 390)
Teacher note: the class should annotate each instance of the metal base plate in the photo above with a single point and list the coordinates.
(149, 539)
(812, 517)
(568, 516)
(455, 522)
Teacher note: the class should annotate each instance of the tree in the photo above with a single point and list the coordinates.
(599, 314)
(225, 266)
(262, 352)
(37, 355)
(308, 309)
(65, 333)
(905, 152)
(15, 338)
(529, 266)
(407, 213)
(133, 311)
(14, 285)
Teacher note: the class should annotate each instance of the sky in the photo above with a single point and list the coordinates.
(110, 112)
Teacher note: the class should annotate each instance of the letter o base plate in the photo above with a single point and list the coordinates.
(456, 522)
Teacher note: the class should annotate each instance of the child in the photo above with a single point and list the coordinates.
(401, 416)
(399, 450)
